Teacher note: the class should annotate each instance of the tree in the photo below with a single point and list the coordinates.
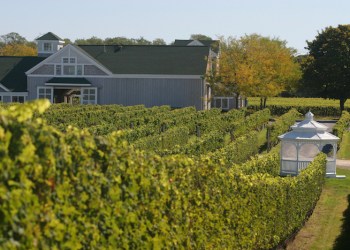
(257, 66)
(18, 50)
(13, 38)
(90, 41)
(200, 37)
(327, 68)
(158, 41)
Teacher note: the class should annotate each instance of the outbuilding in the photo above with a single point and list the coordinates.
(303, 143)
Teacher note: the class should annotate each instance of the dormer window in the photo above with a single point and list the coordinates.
(47, 47)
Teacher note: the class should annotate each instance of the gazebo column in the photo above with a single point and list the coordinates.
(335, 148)
(298, 146)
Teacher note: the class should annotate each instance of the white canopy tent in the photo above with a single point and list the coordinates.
(303, 143)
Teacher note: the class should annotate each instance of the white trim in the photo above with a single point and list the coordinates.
(4, 88)
(156, 76)
(129, 76)
(68, 84)
(25, 94)
(41, 87)
(82, 95)
(69, 47)
(60, 41)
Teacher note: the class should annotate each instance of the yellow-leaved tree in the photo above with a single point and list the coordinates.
(257, 66)
(13, 44)
(18, 50)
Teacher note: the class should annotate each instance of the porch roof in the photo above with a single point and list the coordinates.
(68, 81)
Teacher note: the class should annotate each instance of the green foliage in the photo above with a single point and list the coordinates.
(254, 65)
(119, 41)
(281, 125)
(318, 106)
(342, 125)
(267, 163)
(73, 190)
(326, 70)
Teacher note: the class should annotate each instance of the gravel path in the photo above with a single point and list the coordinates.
(343, 164)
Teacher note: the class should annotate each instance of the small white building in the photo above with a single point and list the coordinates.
(301, 145)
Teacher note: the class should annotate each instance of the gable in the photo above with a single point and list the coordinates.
(69, 61)
(49, 36)
(195, 43)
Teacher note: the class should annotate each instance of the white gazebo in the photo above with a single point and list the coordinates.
(303, 143)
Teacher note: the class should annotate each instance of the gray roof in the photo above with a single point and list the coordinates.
(150, 59)
(49, 36)
(12, 71)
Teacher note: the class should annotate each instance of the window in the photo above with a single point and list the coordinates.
(45, 92)
(79, 70)
(47, 47)
(18, 99)
(69, 69)
(58, 69)
(89, 95)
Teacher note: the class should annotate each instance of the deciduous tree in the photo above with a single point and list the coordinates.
(257, 66)
(327, 68)
(13, 38)
(18, 50)
(200, 37)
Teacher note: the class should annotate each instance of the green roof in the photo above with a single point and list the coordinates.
(12, 71)
(49, 36)
(150, 59)
(69, 80)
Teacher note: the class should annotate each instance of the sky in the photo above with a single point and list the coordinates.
(294, 21)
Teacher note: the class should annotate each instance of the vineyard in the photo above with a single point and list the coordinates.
(114, 177)
(318, 106)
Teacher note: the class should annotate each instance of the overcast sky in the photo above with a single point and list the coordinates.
(292, 20)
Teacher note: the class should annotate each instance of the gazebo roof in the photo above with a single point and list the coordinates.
(309, 130)
(309, 124)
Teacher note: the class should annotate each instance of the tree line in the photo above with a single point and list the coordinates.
(253, 65)
(13, 44)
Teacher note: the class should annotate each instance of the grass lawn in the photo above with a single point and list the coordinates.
(344, 151)
(329, 225)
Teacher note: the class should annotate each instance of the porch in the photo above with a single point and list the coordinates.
(68, 90)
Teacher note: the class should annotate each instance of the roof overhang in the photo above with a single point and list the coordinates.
(67, 85)
(68, 82)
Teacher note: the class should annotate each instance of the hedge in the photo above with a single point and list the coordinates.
(78, 191)
(342, 125)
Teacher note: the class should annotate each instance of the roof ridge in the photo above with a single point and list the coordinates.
(135, 45)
